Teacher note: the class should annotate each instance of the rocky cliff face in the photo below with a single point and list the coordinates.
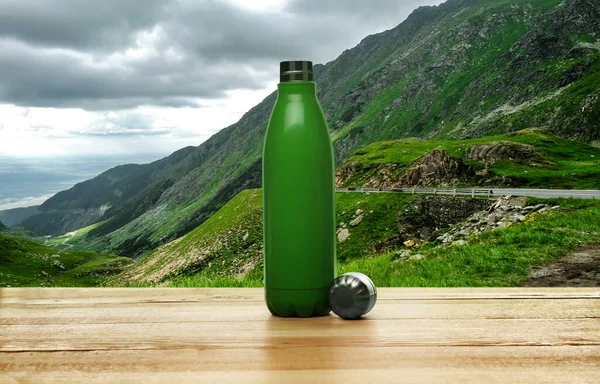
(436, 168)
(488, 154)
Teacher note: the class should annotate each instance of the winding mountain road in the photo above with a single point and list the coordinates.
(542, 193)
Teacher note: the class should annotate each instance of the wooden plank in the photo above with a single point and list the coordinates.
(234, 333)
(227, 335)
(469, 364)
(96, 295)
(191, 312)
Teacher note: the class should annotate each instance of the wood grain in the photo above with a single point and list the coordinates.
(227, 335)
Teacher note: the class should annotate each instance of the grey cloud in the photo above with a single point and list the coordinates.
(31, 77)
(89, 25)
(70, 53)
(106, 104)
(306, 29)
(372, 9)
(228, 33)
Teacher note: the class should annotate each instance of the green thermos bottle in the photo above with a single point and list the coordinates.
(298, 199)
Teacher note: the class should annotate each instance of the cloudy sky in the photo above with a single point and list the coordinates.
(81, 77)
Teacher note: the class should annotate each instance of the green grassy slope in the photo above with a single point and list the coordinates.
(229, 244)
(379, 224)
(68, 240)
(226, 244)
(502, 257)
(572, 164)
(27, 263)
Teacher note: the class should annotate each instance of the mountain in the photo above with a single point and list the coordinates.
(27, 263)
(14, 216)
(89, 201)
(463, 69)
(3, 228)
(475, 68)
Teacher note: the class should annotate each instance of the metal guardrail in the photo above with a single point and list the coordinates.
(542, 193)
(431, 191)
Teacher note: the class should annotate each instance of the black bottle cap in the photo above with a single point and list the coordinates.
(352, 295)
(296, 71)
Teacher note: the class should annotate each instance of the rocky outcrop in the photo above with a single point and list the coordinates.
(385, 176)
(436, 168)
(504, 213)
(490, 153)
(342, 174)
(426, 217)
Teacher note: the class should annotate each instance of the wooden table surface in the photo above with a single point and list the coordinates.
(228, 335)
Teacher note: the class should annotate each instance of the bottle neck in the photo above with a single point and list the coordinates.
(297, 88)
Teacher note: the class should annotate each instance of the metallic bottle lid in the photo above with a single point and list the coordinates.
(291, 71)
(352, 295)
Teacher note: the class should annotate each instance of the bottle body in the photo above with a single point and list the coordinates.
(298, 204)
